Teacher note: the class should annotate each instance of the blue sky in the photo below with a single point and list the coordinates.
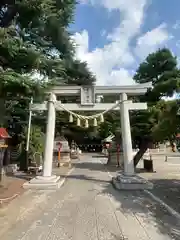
(114, 36)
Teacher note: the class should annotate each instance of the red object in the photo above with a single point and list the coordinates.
(118, 147)
(118, 154)
(60, 146)
(107, 145)
(3, 133)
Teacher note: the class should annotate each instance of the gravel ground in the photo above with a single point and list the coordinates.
(88, 207)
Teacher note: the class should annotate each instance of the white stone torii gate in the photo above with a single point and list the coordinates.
(88, 103)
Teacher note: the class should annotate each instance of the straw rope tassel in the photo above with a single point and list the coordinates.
(70, 118)
(78, 122)
(86, 123)
(95, 122)
(101, 118)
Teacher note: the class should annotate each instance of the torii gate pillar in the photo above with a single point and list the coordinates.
(128, 180)
(126, 136)
(47, 180)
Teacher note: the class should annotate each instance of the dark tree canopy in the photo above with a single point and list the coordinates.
(159, 122)
(160, 68)
(36, 51)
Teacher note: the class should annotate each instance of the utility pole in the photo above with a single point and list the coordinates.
(28, 137)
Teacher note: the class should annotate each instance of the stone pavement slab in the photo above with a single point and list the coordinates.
(87, 207)
(25, 206)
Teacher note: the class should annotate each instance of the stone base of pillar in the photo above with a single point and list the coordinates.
(43, 183)
(124, 182)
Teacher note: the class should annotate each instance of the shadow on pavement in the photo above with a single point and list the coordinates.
(139, 204)
(168, 190)
(99, 156)
(21, 175)
(96, 167)
(84, 177)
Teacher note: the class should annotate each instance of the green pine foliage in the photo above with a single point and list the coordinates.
(36, 52)
(160, 121)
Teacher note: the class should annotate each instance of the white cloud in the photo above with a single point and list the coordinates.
(120, 77)
(178, 44)
(116, 54)
(176, 26)
(103, 33)
(82, 42)
(151, 40)
(111, 62)
(102, 62)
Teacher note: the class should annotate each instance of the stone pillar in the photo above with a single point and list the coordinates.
(128, 180)
(126, 136)
(49, 143)
(47, 180)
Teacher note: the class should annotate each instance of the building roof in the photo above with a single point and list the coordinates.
(109, 138)
(4, 133)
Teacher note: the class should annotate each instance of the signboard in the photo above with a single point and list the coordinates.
(62, 146)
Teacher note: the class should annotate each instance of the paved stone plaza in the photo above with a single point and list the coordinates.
(87, 207)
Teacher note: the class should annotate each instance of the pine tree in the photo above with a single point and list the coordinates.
(161, 69)
(36, 51)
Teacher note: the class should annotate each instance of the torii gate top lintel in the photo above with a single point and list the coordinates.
(88, 93)
(88, 96)
(135, 89)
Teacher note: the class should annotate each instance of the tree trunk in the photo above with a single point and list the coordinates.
(109, 160)
(143, 148)
(172, 145)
